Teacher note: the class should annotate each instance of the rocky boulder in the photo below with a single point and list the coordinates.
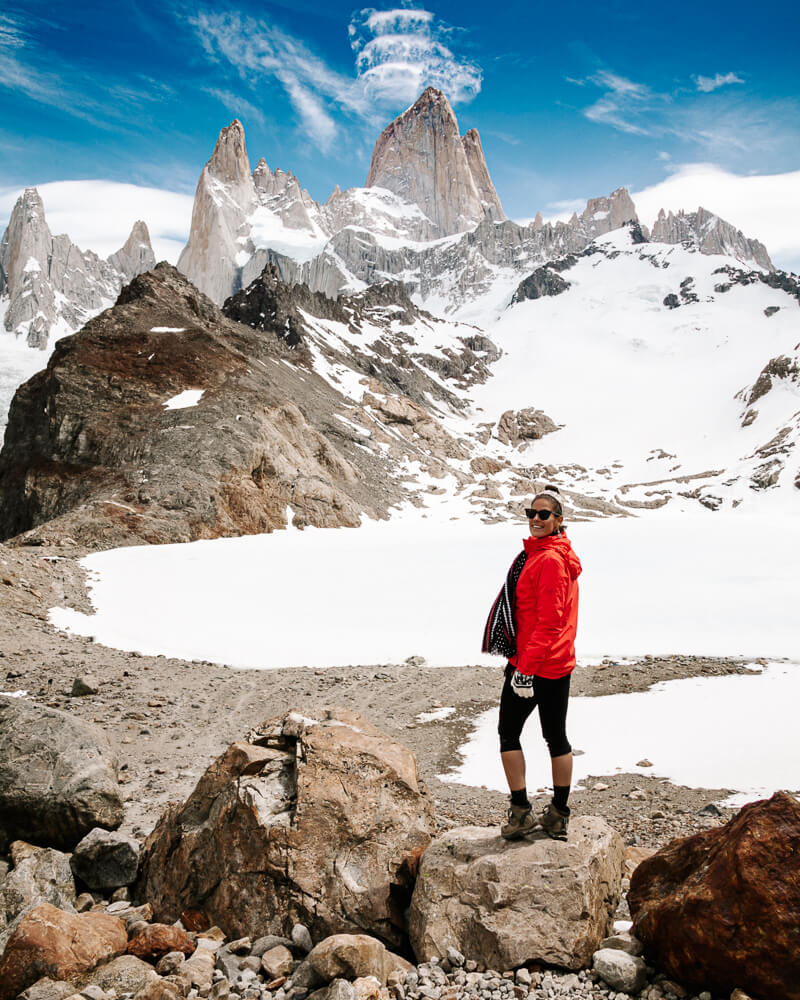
(721, 909)
(320, 821)
(50, 942)
(39, 875)
(58, 776)
(106, 859)
(516, 427)
(507, 903)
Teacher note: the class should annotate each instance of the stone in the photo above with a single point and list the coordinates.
(623, 942)
(730, 897)
(106, 859)
(367, 988)
(50, 942)
(158, 990)
(48, 989)
(267, 941)
(508, 903)
(277, 961)
(301, 938)
(157, 940)
(198, 970)
(620, 970)
(633, 857)
(319, 821)
(228, 963)
(170, 963)
(241, 946)
(39, 875)
(349, 956)
(83, 686)
(709, 234)
(516, 427)
(58, 776)
(93, 992)
(542, 282)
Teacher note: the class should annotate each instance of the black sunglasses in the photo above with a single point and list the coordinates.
(543, 515)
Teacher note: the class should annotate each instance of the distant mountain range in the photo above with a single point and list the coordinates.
(428, 347)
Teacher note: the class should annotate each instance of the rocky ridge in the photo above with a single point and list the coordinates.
(51, 285)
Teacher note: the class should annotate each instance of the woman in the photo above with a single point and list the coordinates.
(534, 621)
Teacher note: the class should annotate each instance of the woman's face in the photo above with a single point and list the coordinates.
(539, 528)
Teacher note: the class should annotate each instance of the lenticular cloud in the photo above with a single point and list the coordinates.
(400, 52)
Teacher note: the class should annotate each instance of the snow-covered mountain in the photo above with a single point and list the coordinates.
(475, 357)
(48, 285)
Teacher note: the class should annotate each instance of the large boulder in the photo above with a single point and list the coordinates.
(106, 859)
(317, 821)
(58, 776)
(506, 903)
(50, 942)
(721, 909)
(39, 875)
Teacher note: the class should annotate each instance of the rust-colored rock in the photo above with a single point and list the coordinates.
(721, 909)
(313, 821)
(156, 940)
(195, 920)
(50, 942)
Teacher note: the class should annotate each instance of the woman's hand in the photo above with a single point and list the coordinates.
(522, 684)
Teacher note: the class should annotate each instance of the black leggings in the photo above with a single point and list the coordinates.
(551, 697)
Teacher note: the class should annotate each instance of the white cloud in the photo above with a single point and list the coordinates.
(764, 207)
(99, 215)
(397, 54)
(709, 83)
(406, 53)
(237, 106)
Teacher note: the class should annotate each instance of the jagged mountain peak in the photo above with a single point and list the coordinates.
(707, 232)
(229, 162)
(422, 158)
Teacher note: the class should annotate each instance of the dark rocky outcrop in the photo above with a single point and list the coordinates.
(90, 441)
(58, 776)
(721, 909)
(542, 282)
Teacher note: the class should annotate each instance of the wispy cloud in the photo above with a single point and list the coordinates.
(397, 54)
(236, 105)
(720, 124)
(709, 83)
(28, 70)
(400, 52)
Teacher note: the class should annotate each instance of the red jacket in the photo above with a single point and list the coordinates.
(546, 614)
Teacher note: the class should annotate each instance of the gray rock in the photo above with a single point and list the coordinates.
(82, 686)
(106, 859)
(623, 942)
(48, 989)
(41, 876)
(455, 958)
(556, 899)
(621, 971)
(262, 944)
(302, 938)
(707, 233)
(228, 963)
(58, 776)
(170, 963)
(93, 992)
(126, 974)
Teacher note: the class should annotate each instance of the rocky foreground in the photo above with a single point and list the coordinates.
(160, 934)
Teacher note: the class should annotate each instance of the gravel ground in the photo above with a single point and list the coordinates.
(168, 718)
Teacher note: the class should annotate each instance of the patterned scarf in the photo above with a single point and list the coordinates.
(500, 633)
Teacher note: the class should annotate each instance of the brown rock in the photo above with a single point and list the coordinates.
(49, 942)
(320, 822)
(277, 961)
(157, 940)
(633, 857)
(195, 920)
(349, 956)
(720, 910)
(159, 990)
(126, 974)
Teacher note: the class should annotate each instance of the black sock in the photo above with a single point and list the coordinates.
(520, 798)
(560, 796)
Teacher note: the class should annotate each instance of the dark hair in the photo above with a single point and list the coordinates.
(552, 494)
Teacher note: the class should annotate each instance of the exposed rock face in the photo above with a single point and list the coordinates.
(515, 427)
(91, 441)
(505, 904)
(421, 157)
(721, 909)
(709, 234)
(225, 197)
(43, 876)
(50, 942)
(321, 822)
(604, 215)
(58, 776)
(50, 281)
(543, 281)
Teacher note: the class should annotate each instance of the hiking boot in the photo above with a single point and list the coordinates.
(521, 822)
(554, 822)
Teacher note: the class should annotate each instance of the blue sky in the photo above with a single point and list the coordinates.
(571, 99)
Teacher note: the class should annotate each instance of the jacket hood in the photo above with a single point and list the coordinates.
(559, 543)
